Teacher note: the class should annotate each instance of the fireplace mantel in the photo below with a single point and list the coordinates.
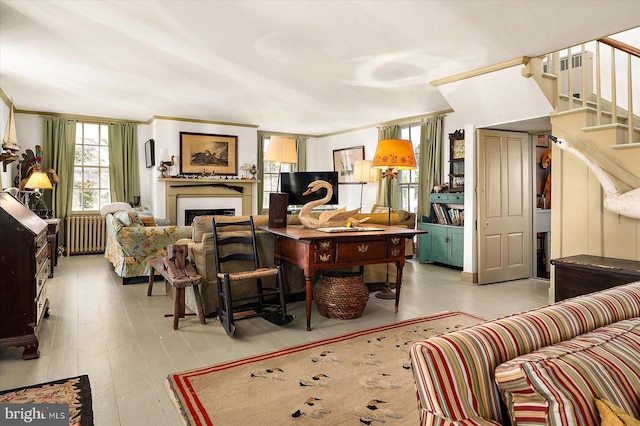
(210, 187)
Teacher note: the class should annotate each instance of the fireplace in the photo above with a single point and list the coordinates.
(191, 213)
(207, 194)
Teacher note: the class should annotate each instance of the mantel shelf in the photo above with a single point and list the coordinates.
(208, 180)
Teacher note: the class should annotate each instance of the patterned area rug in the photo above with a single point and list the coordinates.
(75, 391)
(359, 378)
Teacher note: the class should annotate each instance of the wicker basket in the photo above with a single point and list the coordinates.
(341, 295)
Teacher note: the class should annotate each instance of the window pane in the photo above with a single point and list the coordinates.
(104, 178)
(90, 177)
(105, 197)
(104, 156)
(91, 134)
(77, 160)
(90, 155)
(90, 200)
(77, 177)
(104, 135)
(75, 203)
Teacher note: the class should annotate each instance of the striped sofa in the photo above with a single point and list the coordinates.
(544, 366)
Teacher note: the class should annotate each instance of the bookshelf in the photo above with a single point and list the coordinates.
(444, 238)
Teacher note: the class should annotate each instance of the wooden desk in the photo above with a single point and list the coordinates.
(315, 251)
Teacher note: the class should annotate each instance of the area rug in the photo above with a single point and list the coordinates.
(359, 378)
(75, 391)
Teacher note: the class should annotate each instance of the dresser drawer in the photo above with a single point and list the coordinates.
(41, 276)
(41, 304)
(42, 260)
(357, 250)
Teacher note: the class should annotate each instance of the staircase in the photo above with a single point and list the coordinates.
(598, 115)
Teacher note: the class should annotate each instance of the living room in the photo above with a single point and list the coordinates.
(120, 337)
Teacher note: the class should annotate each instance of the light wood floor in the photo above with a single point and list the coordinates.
(121, 339)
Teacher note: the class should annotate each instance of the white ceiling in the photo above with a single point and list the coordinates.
(308, 67)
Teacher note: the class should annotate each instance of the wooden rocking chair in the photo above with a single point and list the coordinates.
(238, 245)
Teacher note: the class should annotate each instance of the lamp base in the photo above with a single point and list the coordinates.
(386, 293)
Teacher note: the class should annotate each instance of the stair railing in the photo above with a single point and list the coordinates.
(583, 97)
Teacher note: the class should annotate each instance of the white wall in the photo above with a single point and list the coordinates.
(5, 177)
(320, 158)
(29, 132)
(166, 134)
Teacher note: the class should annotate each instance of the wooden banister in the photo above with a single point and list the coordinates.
(621, 46)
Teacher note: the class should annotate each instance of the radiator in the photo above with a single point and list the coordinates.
(85, 234)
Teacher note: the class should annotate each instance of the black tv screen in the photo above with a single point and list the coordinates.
(296, 183)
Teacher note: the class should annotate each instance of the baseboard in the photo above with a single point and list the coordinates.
(469, 278)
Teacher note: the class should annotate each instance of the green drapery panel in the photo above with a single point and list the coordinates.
(260, 166)
(301, 147)
(430, 167)
(388, 132)
(58, 152)
(124, 174)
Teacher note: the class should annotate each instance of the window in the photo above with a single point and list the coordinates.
(91, 167)
(270, 175)
(408, 179)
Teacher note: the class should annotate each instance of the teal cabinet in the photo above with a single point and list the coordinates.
(442, 243)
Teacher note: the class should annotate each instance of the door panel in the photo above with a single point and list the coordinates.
(505, 206)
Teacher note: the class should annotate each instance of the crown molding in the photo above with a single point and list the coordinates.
(194, 120)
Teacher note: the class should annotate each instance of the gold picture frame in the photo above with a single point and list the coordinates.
(202, 153)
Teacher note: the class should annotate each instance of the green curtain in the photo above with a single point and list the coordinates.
(58, 152)
(388, 132)
(260, 166)
(123, 162)
(301, 146)
(430, 167)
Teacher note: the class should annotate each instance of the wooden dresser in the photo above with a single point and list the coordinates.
(24, 269)
(582, 274)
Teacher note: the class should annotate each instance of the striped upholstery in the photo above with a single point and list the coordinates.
(454, 373)
(557, 385)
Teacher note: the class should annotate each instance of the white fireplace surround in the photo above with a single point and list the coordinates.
(206, 203)
(182, 194)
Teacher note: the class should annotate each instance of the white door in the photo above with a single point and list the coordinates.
(505, 207)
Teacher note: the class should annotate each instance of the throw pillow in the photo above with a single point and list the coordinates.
(128, 218)
(145, 215)
(114, 207)
(612, 415)
(377, 208)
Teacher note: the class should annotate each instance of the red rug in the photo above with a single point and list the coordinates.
(358, 378)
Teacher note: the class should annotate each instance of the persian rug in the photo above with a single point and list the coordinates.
(75, 391)
(362, 378)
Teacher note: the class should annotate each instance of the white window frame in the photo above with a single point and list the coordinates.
(102, 168)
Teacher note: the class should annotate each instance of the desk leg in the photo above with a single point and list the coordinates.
(309, 288)
(399, 267)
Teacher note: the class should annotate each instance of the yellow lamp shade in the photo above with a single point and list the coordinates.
(38, 180)
(394, 154)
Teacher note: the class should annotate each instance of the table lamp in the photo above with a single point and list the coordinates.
(280, 150)
(363, 173)
(392, 155)
(37, 181)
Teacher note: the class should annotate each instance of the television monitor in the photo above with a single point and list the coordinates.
(296, 183)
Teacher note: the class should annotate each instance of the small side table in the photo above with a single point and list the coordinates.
(53, 227)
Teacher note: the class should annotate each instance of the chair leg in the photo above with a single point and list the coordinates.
(196, 292)
(226, 315)
(176, 306)
(280, 283)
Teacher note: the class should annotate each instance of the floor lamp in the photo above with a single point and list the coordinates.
(363, 173)
(280, 150)
(392, 155)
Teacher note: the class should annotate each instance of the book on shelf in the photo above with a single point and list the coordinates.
(448, 216)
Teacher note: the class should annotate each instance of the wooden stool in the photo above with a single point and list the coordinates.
(179, 278)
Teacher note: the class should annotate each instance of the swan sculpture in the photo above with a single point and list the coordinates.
(338, 217)
(622, 203)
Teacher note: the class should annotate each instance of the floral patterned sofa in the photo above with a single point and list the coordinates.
(134, 236)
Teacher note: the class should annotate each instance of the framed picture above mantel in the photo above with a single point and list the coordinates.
(202, 153)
